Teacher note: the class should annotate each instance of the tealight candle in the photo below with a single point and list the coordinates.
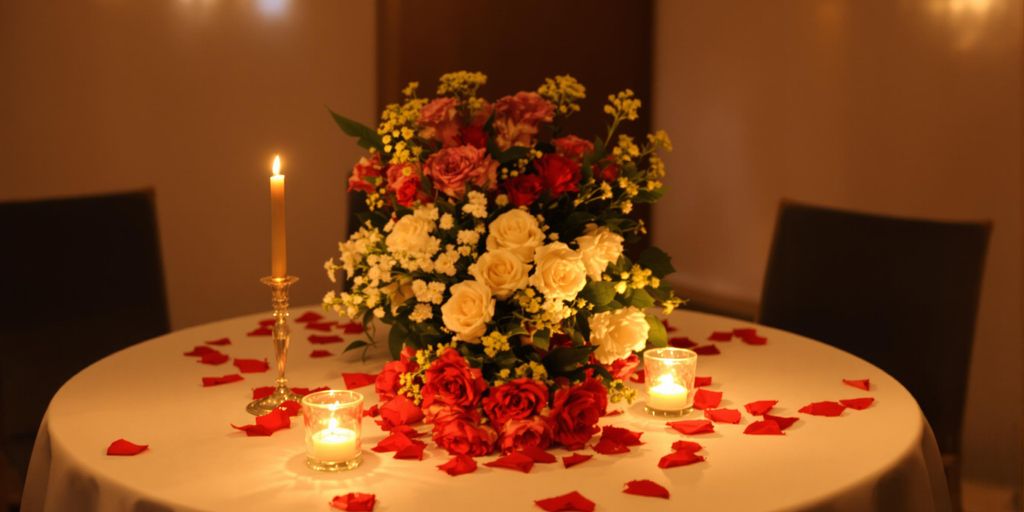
(333, 424)
(669, 374)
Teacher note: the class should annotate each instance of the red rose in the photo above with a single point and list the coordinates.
(398, 411)
(439, 120)
(572, 146)
(606, 171)
(519, 434)
(515, 400)
(560, 174)
(622, 369)
(387, 383)
(450, 381)
(575, 412)
(524, 189)
(404, 182)
(460, 436)
(475, 136)
(365, 174)
(441, 413)
(452, 170)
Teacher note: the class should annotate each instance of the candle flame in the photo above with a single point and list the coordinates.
(332, 424)
(666, 379)
(277, 165)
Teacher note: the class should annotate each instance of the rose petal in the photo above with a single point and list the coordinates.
(638, 376)
(320, 353)
(682, 342)
(707, 350)
(309, 316)
(707, 399)
(723, 415)
(409, 432)
(358, 380)
(459, 465)
(320, 326)
(760, 407)
(699, 381)
(213, 358)
(221, 341)
(267, 322)
(266, 424)
(720, 336)
(323, 339)
(754, 340)
(763, 428)
(201, 350)
(576, 458)
(262, 392)
(622, 436)
(125, 448)
(742, 332)
(616, 412)
(782, 421)
(216, 381)
(352, 328)
(413, 451)
(392, 443)
(354, 502)
(858, 404)
(826, 408)
(567, 502)
(680, 458)
(668, 326)
(646, 488)
(539, 455)
(399, 411)
(516, 460)
(251, 365)
(609, 447)
(262, 331)
(306, 391)
(290, 407)
(372, 412)
(683, 445)
(692, 427)
(864, 384)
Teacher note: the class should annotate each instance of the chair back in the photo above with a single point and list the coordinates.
(900, 293)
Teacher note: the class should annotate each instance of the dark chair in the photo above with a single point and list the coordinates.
(900, 293)
(83, 279)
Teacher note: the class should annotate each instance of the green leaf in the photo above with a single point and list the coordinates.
(656, 336)
(365, 136)
(599, 293)
(641, 299)
(542, 339)
(356, 344)
(566, 359)
(396, 339)
(511, 154)
(656, 260)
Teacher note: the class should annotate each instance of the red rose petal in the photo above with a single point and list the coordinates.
(609, 447)
(459, 465)
(262, 392)
(782, 421)
(567, 502)
(202, 350)
(352, 328)
(692, 427)
(323, 339)
(707, 350)
(763, 428)
(372, 412)
(214, 358)
(413, 451)
(638, 377)
(267, 322)
(251, 365)
(290, 407)
(216, 381)
(262, 331)
(680, 458)
(219, 342)
(646, 488)
(720, 336)
(358, 380)
(399, 411)
(683, 445)
(309, 316)
(864, 384)
(539, 455)
(125, 448)
(681, 342)
(515, 460)
(354, 502)
(668, 326)
(320, 326)
(576, 458)
(616, 412)
(723, 415)
(742, 332)
(707, 399)
(699, 381)
(392, 443)
(267, 424)
(826, 408)
(320, 353)
(622, 436)
(306, 391)
(754, 340)
(760, 407)
(408, 431)
(858, 404)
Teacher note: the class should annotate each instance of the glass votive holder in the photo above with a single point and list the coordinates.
(333, 423)
(669, 374)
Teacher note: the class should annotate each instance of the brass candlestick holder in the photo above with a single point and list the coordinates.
(279, 291)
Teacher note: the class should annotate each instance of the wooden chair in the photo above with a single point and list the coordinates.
(900, 293)
(83, 278)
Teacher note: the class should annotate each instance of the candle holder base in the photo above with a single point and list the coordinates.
(272, 401)
(667, 414)
(330, 467)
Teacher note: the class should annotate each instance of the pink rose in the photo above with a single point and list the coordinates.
(439, 121)
(404, 182)
(519, 434)
(516, 118)
(451, 170)
(572, 146)
(450, 381)
(575, 411)
(515, 400)
(366, 174)
(461, 436)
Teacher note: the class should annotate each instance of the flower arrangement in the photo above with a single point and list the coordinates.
(493, 247)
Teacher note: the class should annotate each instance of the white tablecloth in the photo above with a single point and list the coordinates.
(881, 458)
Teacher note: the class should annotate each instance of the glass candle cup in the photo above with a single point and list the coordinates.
(333, 423)
(669, 374)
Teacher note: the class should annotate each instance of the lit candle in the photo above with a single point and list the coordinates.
(335, 444)
(667, 395)
(278, 251)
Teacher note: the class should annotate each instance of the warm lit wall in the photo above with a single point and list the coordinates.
(897, 107)
(191, 97)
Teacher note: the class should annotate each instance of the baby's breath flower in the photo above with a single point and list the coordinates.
(494, 343)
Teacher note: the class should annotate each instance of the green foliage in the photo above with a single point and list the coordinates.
(563, 360)
(656, 260)
(657, 336)
(599, 293)
(365, 136)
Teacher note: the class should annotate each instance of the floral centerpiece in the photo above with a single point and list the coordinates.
(493, 248)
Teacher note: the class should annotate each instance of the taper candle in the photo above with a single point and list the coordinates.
(278, 250)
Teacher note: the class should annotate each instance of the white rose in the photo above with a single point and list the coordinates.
(468, 310)
(599, 247)
(558, 272)
(502, 271)
(411, 234)
(517, 231)
(618, 333)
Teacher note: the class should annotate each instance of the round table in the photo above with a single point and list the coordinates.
(880, 458)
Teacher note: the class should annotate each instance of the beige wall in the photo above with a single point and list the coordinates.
(192, 97)
(898, 107)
